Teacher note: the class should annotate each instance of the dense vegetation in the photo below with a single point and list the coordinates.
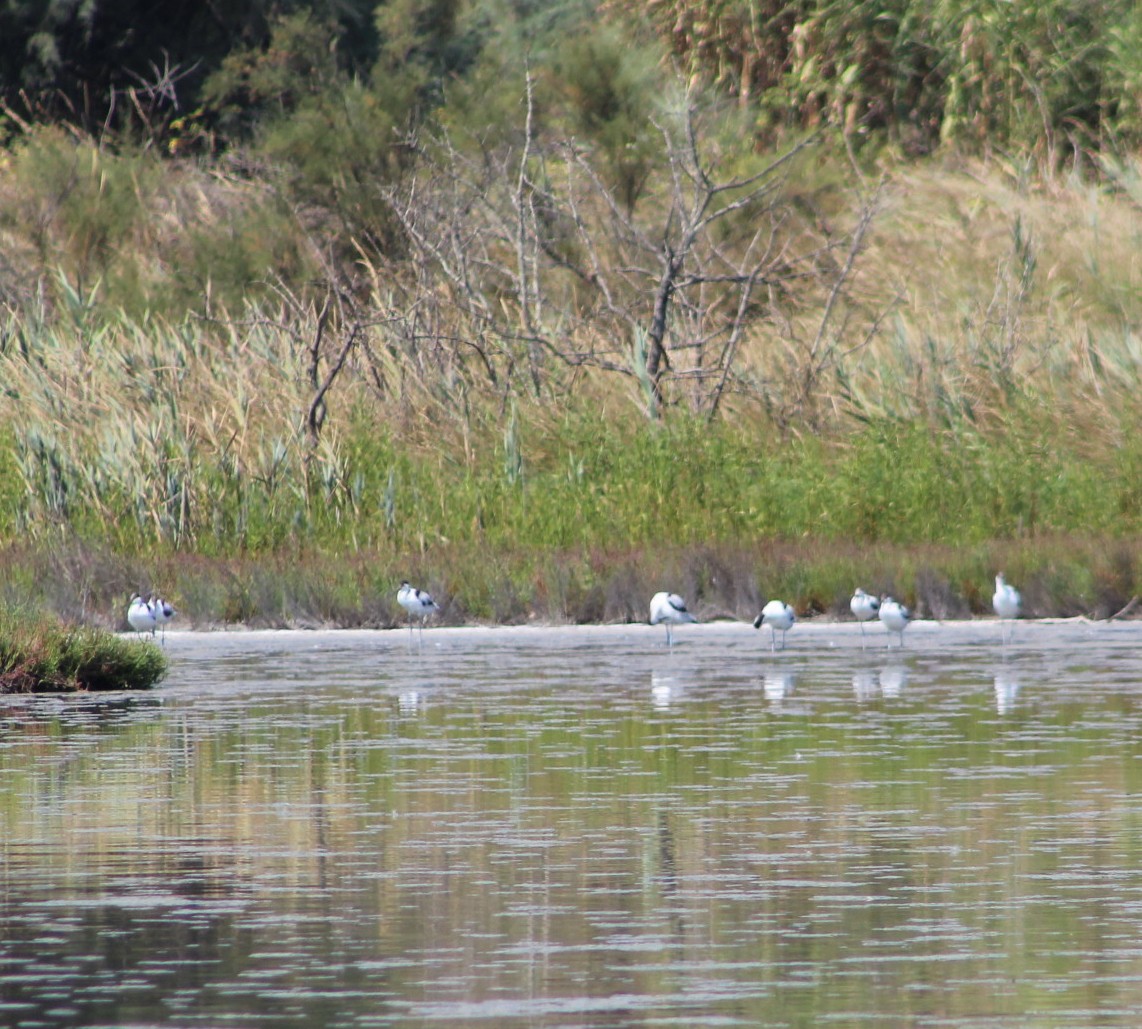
(38, 654)
(548, 305)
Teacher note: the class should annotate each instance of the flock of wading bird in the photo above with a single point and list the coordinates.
(146, 614)
(669, 609)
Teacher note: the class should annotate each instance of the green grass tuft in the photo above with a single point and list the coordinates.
(41, 654)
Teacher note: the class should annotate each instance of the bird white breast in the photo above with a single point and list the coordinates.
(777, 614)
(894, 616)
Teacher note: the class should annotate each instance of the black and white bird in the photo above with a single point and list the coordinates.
(864, 607)
(141, 615)
(417, 603)
(1007, 604)
(670, 609)
(895, 617)
(163, 612)
(777, 615)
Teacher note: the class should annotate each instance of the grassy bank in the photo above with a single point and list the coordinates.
(579, 516)
(1060, 575)
(40, 654)
(976, 409)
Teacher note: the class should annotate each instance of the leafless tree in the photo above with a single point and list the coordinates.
(547, 266)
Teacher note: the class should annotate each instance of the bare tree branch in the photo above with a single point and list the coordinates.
(524, 242)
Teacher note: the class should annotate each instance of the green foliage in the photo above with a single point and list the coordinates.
(11, 483)
(236, 261)
(81, 206)
(1035, 74)
(1051, 77)
(202, 450)
(611, 92)
(115, 71)
(260, 82)
(425, 43)
(1055, 78)
(340, 150)
(974, 381)
(98, 228)
(38, 654)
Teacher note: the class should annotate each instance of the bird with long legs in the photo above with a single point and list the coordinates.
(865, 608)
(778, 616)
(895, 617)
(1007, 604)
(669, 609)
(164, 612)
(418, 604)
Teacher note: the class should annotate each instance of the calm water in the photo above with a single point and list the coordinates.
(580, 828)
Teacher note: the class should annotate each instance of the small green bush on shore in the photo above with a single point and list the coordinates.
(40, 654)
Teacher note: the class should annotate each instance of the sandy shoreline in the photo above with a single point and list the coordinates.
(922, 636)
(721, 624)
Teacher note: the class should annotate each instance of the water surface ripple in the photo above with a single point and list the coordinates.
(583, 828)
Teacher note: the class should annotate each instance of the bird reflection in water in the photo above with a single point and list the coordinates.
(865, 686)
(664, 690)
(1006, 689)
(889, 682)
(410, 702)
(778, 686)
(893, 679)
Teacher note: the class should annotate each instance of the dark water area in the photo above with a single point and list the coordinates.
(581, 827)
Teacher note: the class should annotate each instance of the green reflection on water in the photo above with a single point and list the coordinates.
(552, 855)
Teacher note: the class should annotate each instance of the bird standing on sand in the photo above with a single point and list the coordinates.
(670, 609)
(864, 607)
(417, 603)
(777, 615)
(1007, 604)
(895, 617)
(141, 616)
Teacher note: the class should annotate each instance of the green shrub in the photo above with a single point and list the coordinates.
(38, 654)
